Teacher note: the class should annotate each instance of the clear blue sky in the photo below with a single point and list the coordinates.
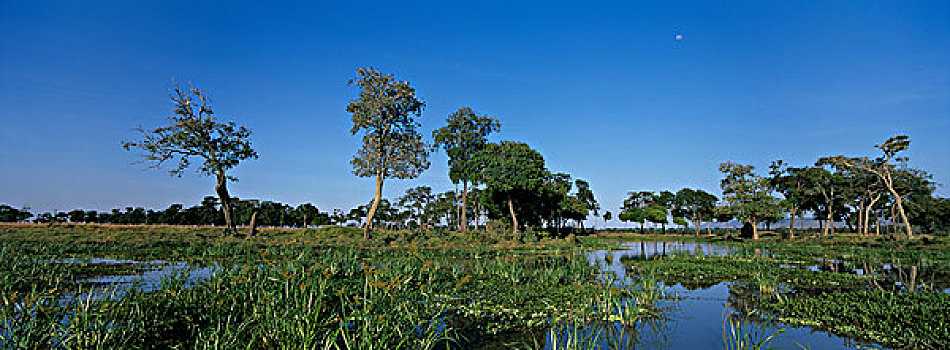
(603, 90)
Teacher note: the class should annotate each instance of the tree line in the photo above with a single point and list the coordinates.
(503, 180)
(868, 195)
(508, 181)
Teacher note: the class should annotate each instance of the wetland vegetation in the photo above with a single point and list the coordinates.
(327, 288)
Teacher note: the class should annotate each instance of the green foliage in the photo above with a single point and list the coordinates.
(747, 194)
(385, 113)
(11, 214)
(464, 134)
(194, 131)
(904, 320)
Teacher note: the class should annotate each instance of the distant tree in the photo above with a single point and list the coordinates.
(607, 216)
(416, 200)
(633, 209)
(357, 214)
(790, 183)
(696, 205)
(194, 131)
(510, 171)
(657, 215)
(11, 214)
(828, 187)
(747, 195)
(92, 216)
(307, 213)
(338, 218)
(465, 134)
(633, 214)
(385, 112)
(77, 215)
(586, 196)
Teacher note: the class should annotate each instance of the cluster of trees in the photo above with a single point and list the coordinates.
(499, 180)
(508, 179)
(867, 194)
(11, 214)
(208, 212)
(686, 206)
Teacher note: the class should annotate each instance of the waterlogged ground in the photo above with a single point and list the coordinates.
(807, 295)
(698, 315)
(103, 287)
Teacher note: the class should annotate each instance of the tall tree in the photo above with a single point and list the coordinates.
(586, 195)
(385, 112)
(464, 134)
(193, 131)
(884, 167)
(790, 183)
(510, 171)
(828, 187)
(747, 195)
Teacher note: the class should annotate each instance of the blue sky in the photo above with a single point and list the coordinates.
(603, 90)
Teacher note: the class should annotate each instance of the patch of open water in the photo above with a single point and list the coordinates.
(697, 317)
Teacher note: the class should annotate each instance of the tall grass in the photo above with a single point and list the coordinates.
(298, 297)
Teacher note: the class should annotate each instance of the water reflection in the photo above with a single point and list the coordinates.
(699, 315)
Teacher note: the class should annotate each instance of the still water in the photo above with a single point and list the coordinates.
(697, 317)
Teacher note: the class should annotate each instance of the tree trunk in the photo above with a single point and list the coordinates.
(514, 218)
(755, 230)
(708, 228)
(828, 223)
(791, 224)
(900, 210)
(252, 231)
(698, 224)
(463, 226)
(221, 187)
(912, 285)
(861, 218)
(368, 227)
(867, 214)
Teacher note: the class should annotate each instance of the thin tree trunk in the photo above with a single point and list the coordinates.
(900, 210)
(867, 213)
(514, 218)
(912, 286)
(755, 230)
(828, 223)
(368, 227)
(708, 228)
(698, 224)
(791, 224)
(221, 187)
(252, 231)
(463, 226)
(861, 218)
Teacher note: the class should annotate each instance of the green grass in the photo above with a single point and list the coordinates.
(296, 295)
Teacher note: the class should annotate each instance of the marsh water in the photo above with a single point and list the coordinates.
(696, 318)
